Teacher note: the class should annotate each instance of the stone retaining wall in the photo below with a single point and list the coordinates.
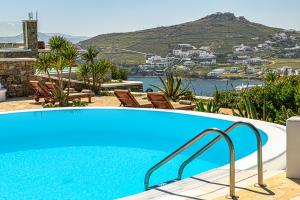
(16, 53)
(15, 74)
(11, 45)
(134, 86)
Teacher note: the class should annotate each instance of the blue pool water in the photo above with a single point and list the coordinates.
(102, 153)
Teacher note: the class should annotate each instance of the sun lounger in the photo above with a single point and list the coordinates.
(40, 91)
(128, 100)
(78, 95)
(160, 101)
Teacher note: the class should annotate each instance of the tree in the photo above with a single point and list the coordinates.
(43, 63)
(62, 55)
(90, 57)
(98, 70)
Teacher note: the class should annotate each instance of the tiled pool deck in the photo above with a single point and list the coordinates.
(210, 185)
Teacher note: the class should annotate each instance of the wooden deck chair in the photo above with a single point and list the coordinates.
(160, 101)
(128, 100)
(40, 91)
(78, 95)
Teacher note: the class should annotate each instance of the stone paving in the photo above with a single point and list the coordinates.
(104, 101)
(278, 187)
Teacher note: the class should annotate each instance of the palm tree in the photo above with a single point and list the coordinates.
(43, 64)
(69, 52)
(89, 57)
(99, 70)
(57, 43)
(83, 71)
(63, 54)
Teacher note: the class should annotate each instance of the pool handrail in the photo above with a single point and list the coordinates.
(227, 131)
(190, 143)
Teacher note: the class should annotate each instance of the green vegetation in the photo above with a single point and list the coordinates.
(94, 71)
(219, 31)
(276, 101)
(120, 58)
(172, 87)
(210, 107)
(281, 62)
(63, 54)
(118, 73)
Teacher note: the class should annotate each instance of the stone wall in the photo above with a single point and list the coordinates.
(30, 35)
(11, 45)
(15, 74)
(134, 86)
(16, 53)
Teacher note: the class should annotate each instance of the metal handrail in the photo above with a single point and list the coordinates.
(227, 131)
(190, 143)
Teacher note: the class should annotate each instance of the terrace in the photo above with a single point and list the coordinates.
(209, 185)
(82, 138)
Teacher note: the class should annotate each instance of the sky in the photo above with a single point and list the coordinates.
(94, 17)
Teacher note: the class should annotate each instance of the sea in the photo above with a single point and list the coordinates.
(201, 87)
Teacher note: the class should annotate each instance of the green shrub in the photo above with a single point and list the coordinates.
(118, 73)
(210, 107)
(188, 95)
(226, 99)
(105, 93)
(275, 101)
(78, 103)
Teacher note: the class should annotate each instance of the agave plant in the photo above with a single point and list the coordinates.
(245, 108)
(172, 87)
(211, 107)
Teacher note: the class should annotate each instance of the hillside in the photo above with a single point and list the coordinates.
(221, 31)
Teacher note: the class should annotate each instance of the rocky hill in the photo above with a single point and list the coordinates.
(220, 31)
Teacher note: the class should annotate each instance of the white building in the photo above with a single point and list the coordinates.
(242, 48)
(256, 60)
(205, 48)
(216, 72)
(286, 71)
(206, 58)
(249, 70)
(182, 68)
(280, 36)
(234, 70)
(264, 47)
(189, 63)
(187, 52)
(158, 60)
(297, 47)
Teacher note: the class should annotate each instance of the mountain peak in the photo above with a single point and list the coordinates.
(226, 16)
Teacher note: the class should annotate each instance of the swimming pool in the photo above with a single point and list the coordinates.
(103, 153)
